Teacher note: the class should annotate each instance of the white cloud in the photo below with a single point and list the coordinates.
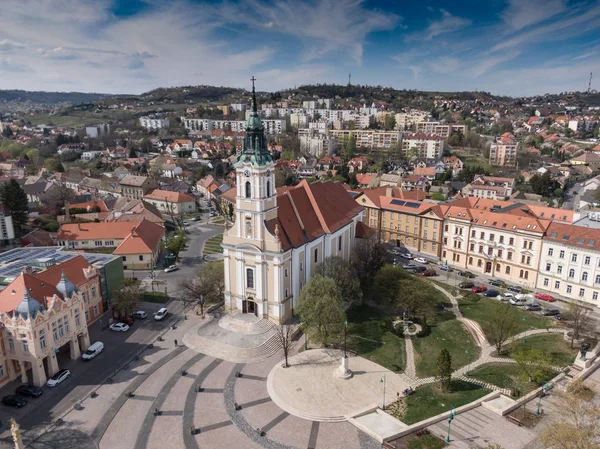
(9, 65)
(445, 64)
(521, 13)
(8, 46)
(448, 23)
(484, 65)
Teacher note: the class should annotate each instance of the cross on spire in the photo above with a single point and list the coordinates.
(253, 94)
(253, 79)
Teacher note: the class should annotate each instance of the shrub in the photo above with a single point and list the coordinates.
(425, 328)
(471, 297)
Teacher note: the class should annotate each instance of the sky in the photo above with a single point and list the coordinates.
(509, 47)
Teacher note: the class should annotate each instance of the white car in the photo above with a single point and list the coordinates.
(140, 315)
(420, 260)
(58, 378)
(119, 327)
(505, 297)
(171, 268)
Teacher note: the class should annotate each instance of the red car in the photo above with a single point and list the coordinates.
(544, 297)
(479, 289)
(430, 272)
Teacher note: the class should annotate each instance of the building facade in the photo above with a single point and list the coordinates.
(154, 123)
(136, 187)
(172, 203)
(503, 152)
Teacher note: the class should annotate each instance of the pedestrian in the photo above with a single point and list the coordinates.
(175, 342)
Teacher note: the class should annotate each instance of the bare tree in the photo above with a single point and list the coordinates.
(284, 340)
(207, 287)
(502, 325)
(578, 320)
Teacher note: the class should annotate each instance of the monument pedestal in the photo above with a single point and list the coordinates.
(342, 371)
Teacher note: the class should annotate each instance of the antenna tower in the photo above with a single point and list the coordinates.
(590, 83)
(349, 78)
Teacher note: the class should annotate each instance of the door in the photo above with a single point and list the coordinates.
(244, 306)
(488, 267)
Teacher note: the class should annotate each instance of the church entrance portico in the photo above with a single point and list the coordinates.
(249, 306)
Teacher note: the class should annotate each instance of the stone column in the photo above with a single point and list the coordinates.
(74, 349)
(39, 375)
(52, 364)
(23, 372)
(86, 341)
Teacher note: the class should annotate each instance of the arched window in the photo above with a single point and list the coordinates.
(571, 273)
(268, 189)
(248, 190)
(249, 278)
(584, 276)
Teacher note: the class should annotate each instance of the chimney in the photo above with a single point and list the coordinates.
(79, 226)
(67, 212)
(27, 270)
(389, 192)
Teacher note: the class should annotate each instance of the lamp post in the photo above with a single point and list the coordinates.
(383, 380)
(452, 415)
(542, 394)
(345, 333)
(202, 305)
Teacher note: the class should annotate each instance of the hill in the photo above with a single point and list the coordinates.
(49, 98)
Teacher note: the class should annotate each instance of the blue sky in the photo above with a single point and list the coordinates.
(514, 47)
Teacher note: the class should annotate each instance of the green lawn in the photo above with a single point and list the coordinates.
(429, 400)
(370, 334)
(213, 245)
(446, 332)
(554, 346)
(505, 375)
(483, 310)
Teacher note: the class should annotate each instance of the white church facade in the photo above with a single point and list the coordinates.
(278, 237)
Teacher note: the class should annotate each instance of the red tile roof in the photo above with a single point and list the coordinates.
(169, 196)
(72, 268)
(13, 294)
(143, 239)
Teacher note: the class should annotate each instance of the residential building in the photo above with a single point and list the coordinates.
(406, 121)
(154, 123)
(136, 186)
(71, 148)
(90, 155)
(423, 146)
(96, 131)
(277, 240)
(444, 130)
(137, 243)
(7, 230)
(172, 203)
(569, 265)
(503, 152)
(491, 187)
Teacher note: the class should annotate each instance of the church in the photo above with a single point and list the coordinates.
(279, 237)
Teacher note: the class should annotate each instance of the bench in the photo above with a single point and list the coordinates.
(514, 420)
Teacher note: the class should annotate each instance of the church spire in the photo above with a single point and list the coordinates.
(254, 108)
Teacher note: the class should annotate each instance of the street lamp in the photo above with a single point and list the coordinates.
(542, 394)
(452, 415)
(383, 380)
(345, 333)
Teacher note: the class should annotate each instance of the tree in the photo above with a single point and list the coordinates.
(444, 370)
(368, 257)
(207, 287)
(230, 211)
(284, 340)
(390, 122)
(574, 426)
(219, 171)
(54, 165)
(15, 199)
(438, 196)
(321, 310)
(343, 274)
(126, 298)
(502, 324)
(579, 320)
(176, 244)
(348, 148)
(145, 145)
(534, 365)
(7, 132)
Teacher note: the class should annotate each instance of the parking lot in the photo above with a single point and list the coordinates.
(119, 349)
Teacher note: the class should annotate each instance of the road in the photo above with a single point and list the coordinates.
(572, 196)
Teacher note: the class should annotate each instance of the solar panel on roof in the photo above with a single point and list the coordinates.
(398, 202)
(413, 205)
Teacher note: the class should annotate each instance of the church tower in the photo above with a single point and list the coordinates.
(256, 199)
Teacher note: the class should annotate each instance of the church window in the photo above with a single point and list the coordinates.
(268, 189)
(340, 243)
(316, 255)
(248, 189)
(286, 272)
(249, 278)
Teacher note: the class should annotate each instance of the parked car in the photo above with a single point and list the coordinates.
(12, 400)
(409, 266)
(126, 319)
(186, 223)
(558, 317)
(526, 296)
(535, 307)
(119, 327)
(466, 274)
(429, 272)
(467, 284)
(515, 288)
(544, 297)
(551, 312)
(516, 301)
(140, 315)
(444, 267)
(479, 289)
(505, 297)
(158, 316)
(420, 269)
(58, 378)
(29, 390)
(197, 218)
(93, 351)
(212, 213)
(407, 255)
(496, 283)
(171, 268)
(491, 293)
(421, 260)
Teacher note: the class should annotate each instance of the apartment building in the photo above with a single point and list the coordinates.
(136, 187)
(503, 152)
(7, 230)
(570, 262)
(273, 126)
(490, 187)
(440, 129)
(154, 123)
(172, 203)
(366, 138)
(423, 145)
(408, 120)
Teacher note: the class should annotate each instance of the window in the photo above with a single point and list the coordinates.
(571, 273)
(2, 374)
(446, 228)
(550, 252)
(498, 267)
(501, 239)
(87, 316)
(491, 237)
(98, 243)
(522, 258)
(248, 189)
(528, 260)
(559, 269)
(594, 297)
(54, 330)
(340, 243)
(95, 310)
(124, 259)
(530, 246)
(316, 255)
(268, 189)
(482, 235)
(587, 260)
(479, 263)
(249, 278)
(507, 270)
(584, 276)
(77, 319)
(557, 284)
(574, 257)
(42, 338)
(511, 241)
(480, 249)
(581, 292)
(93, 292)
(569, 288)
(548, 266)
(470, 261)
(286, 272)
(473, 234)
(546, 280)
(435, 224)
(25, 346)
(472, 247)
(11, 345)
(286, 292)
(300, 266)
(67, 324)
(561, 255)
(597, 279)
(141, 257)
(509, 255)
(424, 245)
(84, 296)
(521, 274)
(61, 329)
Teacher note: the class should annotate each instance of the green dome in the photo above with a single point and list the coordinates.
(254, 146)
